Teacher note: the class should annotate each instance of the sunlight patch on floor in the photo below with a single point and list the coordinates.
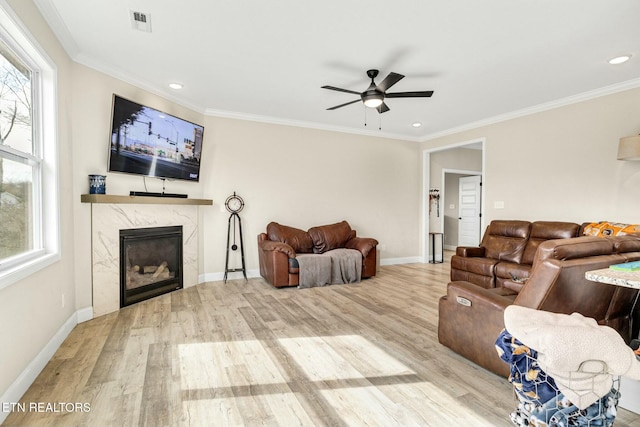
(398, 405)
(226, 364)
(281, 409)
(240, 384)
(341, 357)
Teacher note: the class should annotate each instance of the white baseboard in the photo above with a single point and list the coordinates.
(405, 260)
(84, 314)
(18, 388)
(218, 276)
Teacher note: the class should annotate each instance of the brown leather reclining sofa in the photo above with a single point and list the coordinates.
(471, 316)
(277, 249)
(507, 250)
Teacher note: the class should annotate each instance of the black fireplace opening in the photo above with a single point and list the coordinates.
(150, 263)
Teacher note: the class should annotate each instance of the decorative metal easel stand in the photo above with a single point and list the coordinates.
(235, 218)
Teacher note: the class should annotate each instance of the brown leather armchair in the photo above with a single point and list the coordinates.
(277, 249)
(507, 250)
(471, 317)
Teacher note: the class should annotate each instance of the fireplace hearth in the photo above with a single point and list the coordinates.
(150, 263)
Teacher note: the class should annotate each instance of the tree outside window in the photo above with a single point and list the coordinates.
(19, 163)
(29, 195)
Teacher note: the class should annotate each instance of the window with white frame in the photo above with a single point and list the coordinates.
(28, 213)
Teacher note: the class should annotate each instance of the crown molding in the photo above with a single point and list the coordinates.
(119, 74)
(127, 78)
(574, 99)
(304, 124)
(51, 15)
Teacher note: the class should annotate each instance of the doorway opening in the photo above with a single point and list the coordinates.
(438, 163)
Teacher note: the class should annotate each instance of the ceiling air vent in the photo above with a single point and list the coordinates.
(140, 21)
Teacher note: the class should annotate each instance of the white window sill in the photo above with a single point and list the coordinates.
(21, 271)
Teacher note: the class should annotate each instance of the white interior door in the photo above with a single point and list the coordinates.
(469, 211)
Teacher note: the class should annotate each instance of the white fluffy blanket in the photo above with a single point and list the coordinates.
(579, 354)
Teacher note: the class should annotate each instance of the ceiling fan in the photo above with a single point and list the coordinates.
(374, 96)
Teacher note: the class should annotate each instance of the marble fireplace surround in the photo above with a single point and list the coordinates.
(110, 214)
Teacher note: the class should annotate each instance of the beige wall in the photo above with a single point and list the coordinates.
(296, 176)
(31, 310)
(305, 177)
(560, 164)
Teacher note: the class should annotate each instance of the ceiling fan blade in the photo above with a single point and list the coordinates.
(417, 94)
(344, 105)
(389, 81)
(382, 108)
(341, 90)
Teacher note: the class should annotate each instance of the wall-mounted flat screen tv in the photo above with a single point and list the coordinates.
(145, 141)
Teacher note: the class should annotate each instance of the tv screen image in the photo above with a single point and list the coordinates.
(149, 142)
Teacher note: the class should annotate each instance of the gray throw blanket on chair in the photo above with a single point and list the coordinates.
(346, 266)
(315, 270)
(337, 266)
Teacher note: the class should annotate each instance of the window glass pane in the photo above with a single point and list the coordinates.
(15, 102)
(29, 217)
(16, 230)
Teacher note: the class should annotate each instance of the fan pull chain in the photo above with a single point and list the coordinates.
(379, 119)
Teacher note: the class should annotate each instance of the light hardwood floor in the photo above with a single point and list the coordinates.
(245, 353)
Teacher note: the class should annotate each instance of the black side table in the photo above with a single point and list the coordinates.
(432, 237)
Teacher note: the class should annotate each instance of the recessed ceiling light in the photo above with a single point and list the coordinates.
(416, 124)
(175, 86)
(620, 59)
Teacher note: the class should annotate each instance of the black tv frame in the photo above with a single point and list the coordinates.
(149, 142)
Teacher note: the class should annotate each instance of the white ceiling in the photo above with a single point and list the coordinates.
(266, 60)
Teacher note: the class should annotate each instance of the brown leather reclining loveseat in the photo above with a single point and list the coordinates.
(507, 250)
(471, 316)
(277, 249)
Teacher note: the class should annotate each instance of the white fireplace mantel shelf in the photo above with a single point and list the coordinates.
(142, 200)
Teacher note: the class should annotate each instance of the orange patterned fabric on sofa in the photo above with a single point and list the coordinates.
(605, 228)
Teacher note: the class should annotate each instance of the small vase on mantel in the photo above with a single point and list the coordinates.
(97, 184)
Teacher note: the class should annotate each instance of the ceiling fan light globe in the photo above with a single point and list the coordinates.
(373, 102)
